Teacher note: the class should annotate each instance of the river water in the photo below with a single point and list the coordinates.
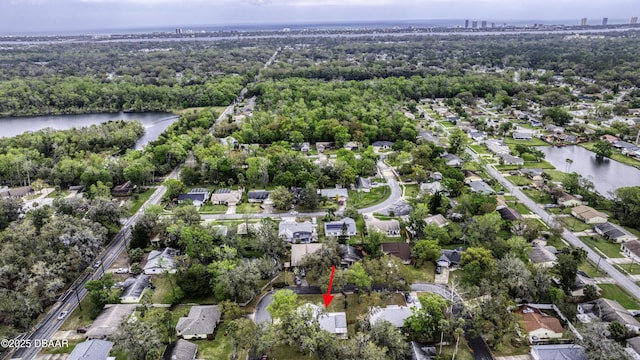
(154, 123)
(606, 174)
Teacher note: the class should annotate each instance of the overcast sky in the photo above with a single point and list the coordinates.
(22, 16)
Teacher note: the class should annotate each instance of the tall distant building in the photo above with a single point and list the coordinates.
(178, 31)
(474, 24)
(466, 24)
(484, 24)
(493, 24)
(583, 22)
(634, 20)
(605, 21)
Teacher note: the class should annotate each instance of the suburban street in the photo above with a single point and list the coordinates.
(620, 278)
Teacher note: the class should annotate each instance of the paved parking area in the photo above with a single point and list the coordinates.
(443, 277)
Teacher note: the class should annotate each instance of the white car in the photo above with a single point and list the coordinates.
(63, 315)
(121, 271)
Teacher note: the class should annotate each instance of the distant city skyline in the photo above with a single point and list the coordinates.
(38, 16)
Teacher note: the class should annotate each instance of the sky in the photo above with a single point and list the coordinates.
(37, 16)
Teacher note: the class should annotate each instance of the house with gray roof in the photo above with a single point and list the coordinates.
(295, 232)
(387, 227)
(16, 193)
(92, 350)
(532, 172)
(382, 145)
(558, 352)
(363, 184)
(509, 159)
(341, 195)
(133, 288)
(160, 261)
(451, 160)
(633, 347)
(431, 187)
(422, 352)
(109, 319)
(614, 232)
(438, 220)
(180, 350)
(331, 322)
(393, 313)
(350, 255)
(258, 196)
(521, 135)
(508, 213)
(343, 227)
(450, 258)
(481, 187)
(543, 255)
(608, 310)
(200, 323)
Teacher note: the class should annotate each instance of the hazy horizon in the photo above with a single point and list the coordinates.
(78, 16)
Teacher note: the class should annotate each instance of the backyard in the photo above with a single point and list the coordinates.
(361, 200)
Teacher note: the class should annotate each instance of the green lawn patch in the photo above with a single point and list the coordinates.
(573, 224)
(556, 175)
(411, 190)
(519, 180)
(533, 142)
(522, 208)
(162, 293)
(287, 352)
(248, 208)
(540, 198)
(218, 348)
(213, 209)
(615, 292)
(422, 273)
(58, 194)
(590, 269)
(633, 269)
(607, 247)
(479, 149)
(538, 164)
(361, 200)
(447, 124)
(81, 316)
(464, 353)
(137, 200)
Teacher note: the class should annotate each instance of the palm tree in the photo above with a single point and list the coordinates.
(569, 162)
(459, 331)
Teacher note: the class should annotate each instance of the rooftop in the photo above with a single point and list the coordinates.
(393, 313)
(201, 320)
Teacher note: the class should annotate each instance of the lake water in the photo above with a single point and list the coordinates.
(606, 174)
(154, 123)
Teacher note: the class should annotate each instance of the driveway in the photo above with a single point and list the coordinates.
(262, 315)
(396, 193)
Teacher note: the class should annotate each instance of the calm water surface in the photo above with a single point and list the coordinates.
(154, 123)
(606, 174)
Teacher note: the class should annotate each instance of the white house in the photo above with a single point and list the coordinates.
(614, 232)
(160, 261)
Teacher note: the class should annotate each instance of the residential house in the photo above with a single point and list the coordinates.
(477, 136)
(568, 200)
(521, 135)
(508, 213)
(609, 311)
(133, 288)
(322, 146)
(438, 220)
(343, 227)
(200, 323)
(509, 159)
(538, 324)
(219, 230)
(382, 145)
(535, 123)
(352, 145)
(554, 129)
(340, 195)
(614, 232)
(431, 188)
(258, 196)
(558, 352)
(350, 255)
(197, 196)
(400, 250)
(610, 138)
(625, 147)
(226, 197)
(481, 187)
(544, 256)
(92, 350)
(532, 172)
(109, 320)
(393, 313)
(363, 184)
(422, 352)
(331, 322)
(450, 258)
(180, 350)
(305, 147)
(436, 175)
(160, 261)
(452, 160)
(292, 231)
(428, 136)
(299, 251)
(470, 176)
(387, 227)
(589, 215)
(123, 189)
(497, 146)
(631, 249)
(16, 193)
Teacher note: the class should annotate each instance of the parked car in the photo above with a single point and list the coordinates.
(293, 212)
(97, 264)
(500, 193)
(298, 281)
(438, 270)
(63, 315)
(121, 271)
(303, 272)
(408, 298)
(82, 329)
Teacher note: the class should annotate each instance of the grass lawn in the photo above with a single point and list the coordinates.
(556, 175)
(522, 208)
(217, 349)
(519, 180)
(422, 273)
(615, 156)
(137, 204)
(615, 292)
(610, 249)
(81, 316)
(573, 224)
(361, 200)
(447, 124)
(411, 190)
(464, 353)
(162, 293)
(590, 269)
(288, 352)
(508, 349)
(538, 164)
(57, 194)
(213, 209)
(479, 149)
(633, 269)
(537, 197)
(532, 142)
(248, 208)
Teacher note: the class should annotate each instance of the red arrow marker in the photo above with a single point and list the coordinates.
(328, 297)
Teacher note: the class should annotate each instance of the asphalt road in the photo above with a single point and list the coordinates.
(620, 278)
(261, 314)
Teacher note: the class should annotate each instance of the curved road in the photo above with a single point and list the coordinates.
(620, 278)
